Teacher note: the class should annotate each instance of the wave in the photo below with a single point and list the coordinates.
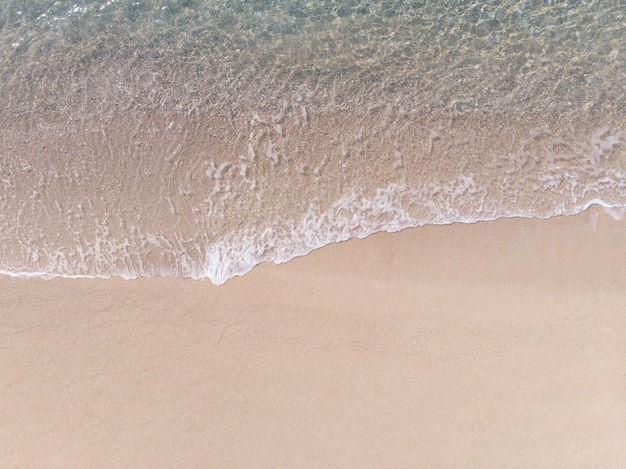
(193, 199)
(355, 216)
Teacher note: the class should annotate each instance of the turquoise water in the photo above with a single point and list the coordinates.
(199, 138)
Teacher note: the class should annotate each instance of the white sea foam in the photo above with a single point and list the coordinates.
(357, 216)
(396, 207)
(354, 216)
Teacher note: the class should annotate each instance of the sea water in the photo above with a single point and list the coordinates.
(198, 138)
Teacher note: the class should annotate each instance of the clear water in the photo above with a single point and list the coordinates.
(199, 138)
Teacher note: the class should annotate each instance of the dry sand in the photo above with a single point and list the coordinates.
(489, 345)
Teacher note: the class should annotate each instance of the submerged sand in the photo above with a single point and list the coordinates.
(498, 344)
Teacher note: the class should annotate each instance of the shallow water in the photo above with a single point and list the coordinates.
(199, 138)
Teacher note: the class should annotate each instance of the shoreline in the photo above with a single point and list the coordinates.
(617, 214)
(492, 344)
(164, 194)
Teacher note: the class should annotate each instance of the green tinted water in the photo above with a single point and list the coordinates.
(208, 56)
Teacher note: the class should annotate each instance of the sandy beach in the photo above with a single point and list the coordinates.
(159, 158)
(497, 344)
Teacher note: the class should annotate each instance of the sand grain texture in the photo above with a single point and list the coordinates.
(490, 345)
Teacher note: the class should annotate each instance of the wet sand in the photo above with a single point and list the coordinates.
(497, 344)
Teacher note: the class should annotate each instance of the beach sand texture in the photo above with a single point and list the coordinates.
(499, 344)
(185, 143)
